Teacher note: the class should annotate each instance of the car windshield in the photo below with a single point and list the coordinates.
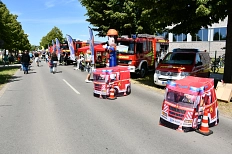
(181, 58)
(125, 47)
(184, 100)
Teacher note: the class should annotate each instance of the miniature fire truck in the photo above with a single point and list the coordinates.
(105, 78)
(185, 102)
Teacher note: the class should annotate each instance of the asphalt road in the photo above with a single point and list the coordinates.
(44, 113)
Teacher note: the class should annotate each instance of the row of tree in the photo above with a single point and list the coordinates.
(12, 36)
(156, 16)
(54, 33)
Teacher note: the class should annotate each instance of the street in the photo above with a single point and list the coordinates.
(45, 113)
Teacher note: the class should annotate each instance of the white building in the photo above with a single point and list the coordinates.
(211, 39)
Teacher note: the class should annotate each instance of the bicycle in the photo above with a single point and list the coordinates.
(214, 67)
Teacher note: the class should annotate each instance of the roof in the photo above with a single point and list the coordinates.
(191, 84)
(98, 47)
(185, 50)
(111, 69)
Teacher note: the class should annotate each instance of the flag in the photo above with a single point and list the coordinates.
(91, 44)
(71, 47)
(53, 46)
(58, 48)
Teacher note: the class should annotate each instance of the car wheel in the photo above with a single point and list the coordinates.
(143, 71)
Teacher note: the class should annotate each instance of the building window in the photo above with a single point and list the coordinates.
(164, 34)
(202, 35)
(205, 34)
(180, 38)
(219, 34)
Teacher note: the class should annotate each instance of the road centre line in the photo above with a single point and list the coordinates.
(71, 87)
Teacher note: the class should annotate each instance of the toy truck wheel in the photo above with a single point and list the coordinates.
(143, 71)
(161, 121)
(216, 122)
(115, 92)
(128, 90)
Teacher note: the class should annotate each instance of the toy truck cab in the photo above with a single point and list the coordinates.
(185, 102)
(117, 76)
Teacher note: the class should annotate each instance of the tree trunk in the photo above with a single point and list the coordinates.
(227, 77)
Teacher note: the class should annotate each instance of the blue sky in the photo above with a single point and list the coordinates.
(38, 17)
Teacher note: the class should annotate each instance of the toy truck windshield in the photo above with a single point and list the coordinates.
(184, 100)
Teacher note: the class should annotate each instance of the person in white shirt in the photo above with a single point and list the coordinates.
(80, 58)
(89, 66)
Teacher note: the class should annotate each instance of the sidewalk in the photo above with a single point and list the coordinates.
(11, 65)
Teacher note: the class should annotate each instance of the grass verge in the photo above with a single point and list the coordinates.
(6, 74)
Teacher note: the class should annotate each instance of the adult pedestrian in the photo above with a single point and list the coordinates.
(36, 54)
(79, 59)
(6, 60)
(25, 61)
(46, 57)
(54, 61)
(89, 66)
(66, 59)
(11, 59)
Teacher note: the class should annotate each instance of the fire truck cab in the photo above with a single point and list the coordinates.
(117, 76)
(185, 102)
(140, 53)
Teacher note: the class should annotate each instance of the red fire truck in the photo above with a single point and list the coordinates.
(185, 102)
(77, 44)
(104, 78)
(140, 53)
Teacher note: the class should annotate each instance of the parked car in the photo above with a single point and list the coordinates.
(182, 62)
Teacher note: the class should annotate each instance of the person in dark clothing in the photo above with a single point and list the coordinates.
(66, 59)
(25, 61)
(54, 61)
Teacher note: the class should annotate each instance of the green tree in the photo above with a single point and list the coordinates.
(11, 32)
(122, 15)
(189, 16)
(54, 33)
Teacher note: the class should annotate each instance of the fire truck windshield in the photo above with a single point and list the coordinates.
(184, 100)
(179, 58)
(64, 46)
(126, 47)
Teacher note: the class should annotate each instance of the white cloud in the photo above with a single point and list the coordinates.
(49, 4)
(53, 3)
(61, 21)
(16, 13)
(69, 1)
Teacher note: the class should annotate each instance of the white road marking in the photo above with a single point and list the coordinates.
(71, 87)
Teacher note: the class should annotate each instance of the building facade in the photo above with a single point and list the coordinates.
(211, 39)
